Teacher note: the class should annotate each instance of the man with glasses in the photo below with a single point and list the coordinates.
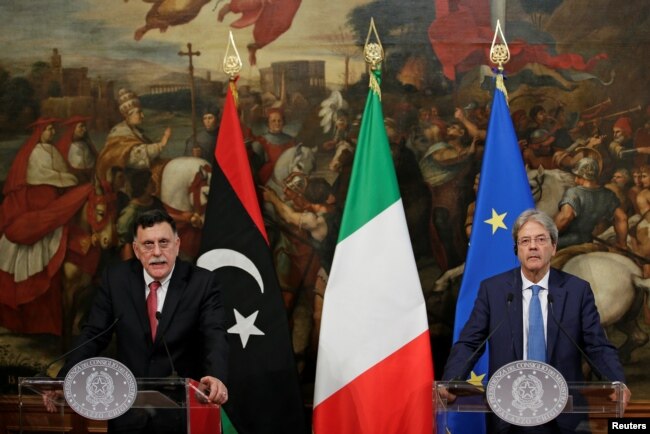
(526, 296)
(157, 299)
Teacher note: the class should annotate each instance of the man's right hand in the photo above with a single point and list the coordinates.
(51, 398)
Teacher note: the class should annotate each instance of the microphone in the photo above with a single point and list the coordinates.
(509, 299)
(169, 355)
(43, 371)
(599, 374)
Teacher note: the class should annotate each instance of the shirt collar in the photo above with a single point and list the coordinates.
(163, 283)
(525, 283)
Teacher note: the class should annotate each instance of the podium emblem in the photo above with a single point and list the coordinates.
(100, 388)
(527, 393)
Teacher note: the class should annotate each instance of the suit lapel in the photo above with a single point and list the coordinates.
(136, 291)
(175, 291)
(515, 315)
(557, 291)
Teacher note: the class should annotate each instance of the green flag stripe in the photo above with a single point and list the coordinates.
(373, 184)
(226, 424)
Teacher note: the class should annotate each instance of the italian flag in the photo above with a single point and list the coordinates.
(374, 372)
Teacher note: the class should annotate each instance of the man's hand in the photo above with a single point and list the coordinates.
(50, 398)
(217, 391)
(165, 138)
(445, 394)
(270, 195)
(627, 394)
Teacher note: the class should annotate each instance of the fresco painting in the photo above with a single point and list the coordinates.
(111, 108)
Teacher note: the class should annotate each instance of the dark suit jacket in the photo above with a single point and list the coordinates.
(574, 307)
(192, 324)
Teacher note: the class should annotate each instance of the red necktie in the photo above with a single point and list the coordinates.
(152, 307)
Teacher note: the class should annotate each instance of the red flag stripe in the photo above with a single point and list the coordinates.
(234, 162)
(399, 385)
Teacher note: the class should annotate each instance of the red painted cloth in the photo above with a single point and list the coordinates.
(271, 19)
(28, 213)
(461, 36)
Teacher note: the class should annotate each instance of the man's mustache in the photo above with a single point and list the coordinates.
(157, 261)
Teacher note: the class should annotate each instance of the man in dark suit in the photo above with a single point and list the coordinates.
(568, 298)
(159, 299)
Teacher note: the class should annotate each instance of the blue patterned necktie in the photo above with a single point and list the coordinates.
(536, 342)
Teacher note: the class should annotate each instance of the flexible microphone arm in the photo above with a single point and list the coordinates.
(169, 355)
(469, 360)
(43, 371)
(599, 374)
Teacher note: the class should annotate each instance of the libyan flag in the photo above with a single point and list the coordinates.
(374, 372)
(263, 387)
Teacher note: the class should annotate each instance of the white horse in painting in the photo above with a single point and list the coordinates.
(548, 186)
(184, 190)
(297, 159)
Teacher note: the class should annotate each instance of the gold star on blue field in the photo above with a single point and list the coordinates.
(496, 221)
(476, 380)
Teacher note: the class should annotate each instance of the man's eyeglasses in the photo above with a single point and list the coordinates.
(540, 240)
(149, 246)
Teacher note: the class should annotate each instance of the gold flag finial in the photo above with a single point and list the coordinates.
(500, 54)
(374, 55)
(232, 63)
(373, 51)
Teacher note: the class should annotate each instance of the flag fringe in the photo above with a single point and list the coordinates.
(374, 85)
(500, 84)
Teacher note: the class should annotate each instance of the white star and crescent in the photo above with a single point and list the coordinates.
(496, 221)
(218, 258)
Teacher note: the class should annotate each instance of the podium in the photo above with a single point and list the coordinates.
(591, 399)
(180, 401)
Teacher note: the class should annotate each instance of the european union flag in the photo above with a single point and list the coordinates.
(503, 194)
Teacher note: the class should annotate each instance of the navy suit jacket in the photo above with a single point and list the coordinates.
(192, 323)
(573, 307)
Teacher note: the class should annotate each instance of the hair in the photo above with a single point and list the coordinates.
(459, 125)
(537, 216)
(534, 110)
(645, 168)
(275, 110)
(211, 110)
(625, 172)
(152, 217)
(318, 190)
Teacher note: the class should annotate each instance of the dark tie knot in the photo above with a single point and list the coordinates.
(153, 286)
